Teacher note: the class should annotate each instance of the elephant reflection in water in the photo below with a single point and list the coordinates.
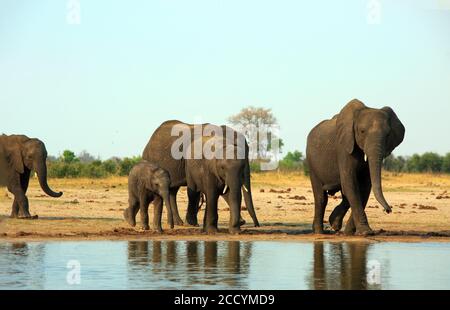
(197, 263)
(343, 267)
(25, 265)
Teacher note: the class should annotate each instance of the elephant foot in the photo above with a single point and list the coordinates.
(364, 230)
(28, 217)
(129, 218)
(234, 231)
(192, 222)
(365, 233)
(178, 222)
(335, 220)
(14, 216)
(211, 230)
(158, 230)
(318, 229)
(144, 227)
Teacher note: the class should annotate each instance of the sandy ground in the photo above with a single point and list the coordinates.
(92, 209)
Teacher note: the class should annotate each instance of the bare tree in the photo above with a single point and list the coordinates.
(259, 120)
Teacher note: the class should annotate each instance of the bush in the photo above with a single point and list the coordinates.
(255, 166)
(69, 166)
(427, 162)
(293, 161)
(127, 163)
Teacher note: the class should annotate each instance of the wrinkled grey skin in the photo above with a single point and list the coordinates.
(218, 177)
(158, 151)
(18, 156)
(336, 152)
(148, 183)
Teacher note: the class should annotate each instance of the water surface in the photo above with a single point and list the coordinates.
(223, 265)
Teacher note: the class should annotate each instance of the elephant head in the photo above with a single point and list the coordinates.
(30, 154)
(228, 166)
(371, 134)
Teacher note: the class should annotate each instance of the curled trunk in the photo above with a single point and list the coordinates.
(41, 170)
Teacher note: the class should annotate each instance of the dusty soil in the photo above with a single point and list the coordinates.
(92, 209)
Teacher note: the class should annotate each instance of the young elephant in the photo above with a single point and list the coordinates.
(148, 183)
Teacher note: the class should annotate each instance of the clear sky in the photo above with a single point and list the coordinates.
(105, 84)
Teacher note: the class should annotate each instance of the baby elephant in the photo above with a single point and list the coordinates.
(148, 183)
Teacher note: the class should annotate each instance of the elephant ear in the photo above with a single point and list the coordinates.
(14, 157)
(397, 133)
(345, 121)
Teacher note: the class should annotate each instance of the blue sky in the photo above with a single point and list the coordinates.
(105, 85)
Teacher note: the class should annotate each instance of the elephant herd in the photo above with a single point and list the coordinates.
(344, 154)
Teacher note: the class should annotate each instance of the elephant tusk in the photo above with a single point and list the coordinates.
(365, 157)
(225, 189)
(245, 188)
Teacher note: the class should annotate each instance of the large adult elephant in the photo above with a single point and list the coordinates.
(346, 154)
(19, 155)
(159, 151)
(221, 173)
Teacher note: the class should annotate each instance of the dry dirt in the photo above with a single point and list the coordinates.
(92, 209)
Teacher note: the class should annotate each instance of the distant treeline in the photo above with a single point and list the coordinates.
(68, 165)
(425, 163)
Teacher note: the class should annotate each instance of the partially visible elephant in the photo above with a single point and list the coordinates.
(216, 176)
(346, 154)
(19, 156)
(148, 183)
(158, 151)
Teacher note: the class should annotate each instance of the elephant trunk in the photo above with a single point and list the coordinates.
(166, 199)
(41, 170)
(248, 195)
(375, 157)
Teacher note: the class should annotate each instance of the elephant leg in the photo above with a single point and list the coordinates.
(173, 202)
(365, 189)
(20, 203)
(194, 200)
(130, 213)
(338, 214)
(351, 190)
(241, 219)
(320, 202)
(144, 201)
(157, 214)
(16, 211)
(211, 214)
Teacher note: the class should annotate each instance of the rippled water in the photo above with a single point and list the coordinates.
(223, 265)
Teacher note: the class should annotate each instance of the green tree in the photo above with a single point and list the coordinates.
(413, 163)
(292, 161)
(430, 162)
(68, 157)
(110, 166)
(127, 163)
(446, 163)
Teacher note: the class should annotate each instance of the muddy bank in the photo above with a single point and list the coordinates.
(92, 209)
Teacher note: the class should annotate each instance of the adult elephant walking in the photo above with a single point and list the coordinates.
(18, 156)
(346, 154)
(159, 151)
